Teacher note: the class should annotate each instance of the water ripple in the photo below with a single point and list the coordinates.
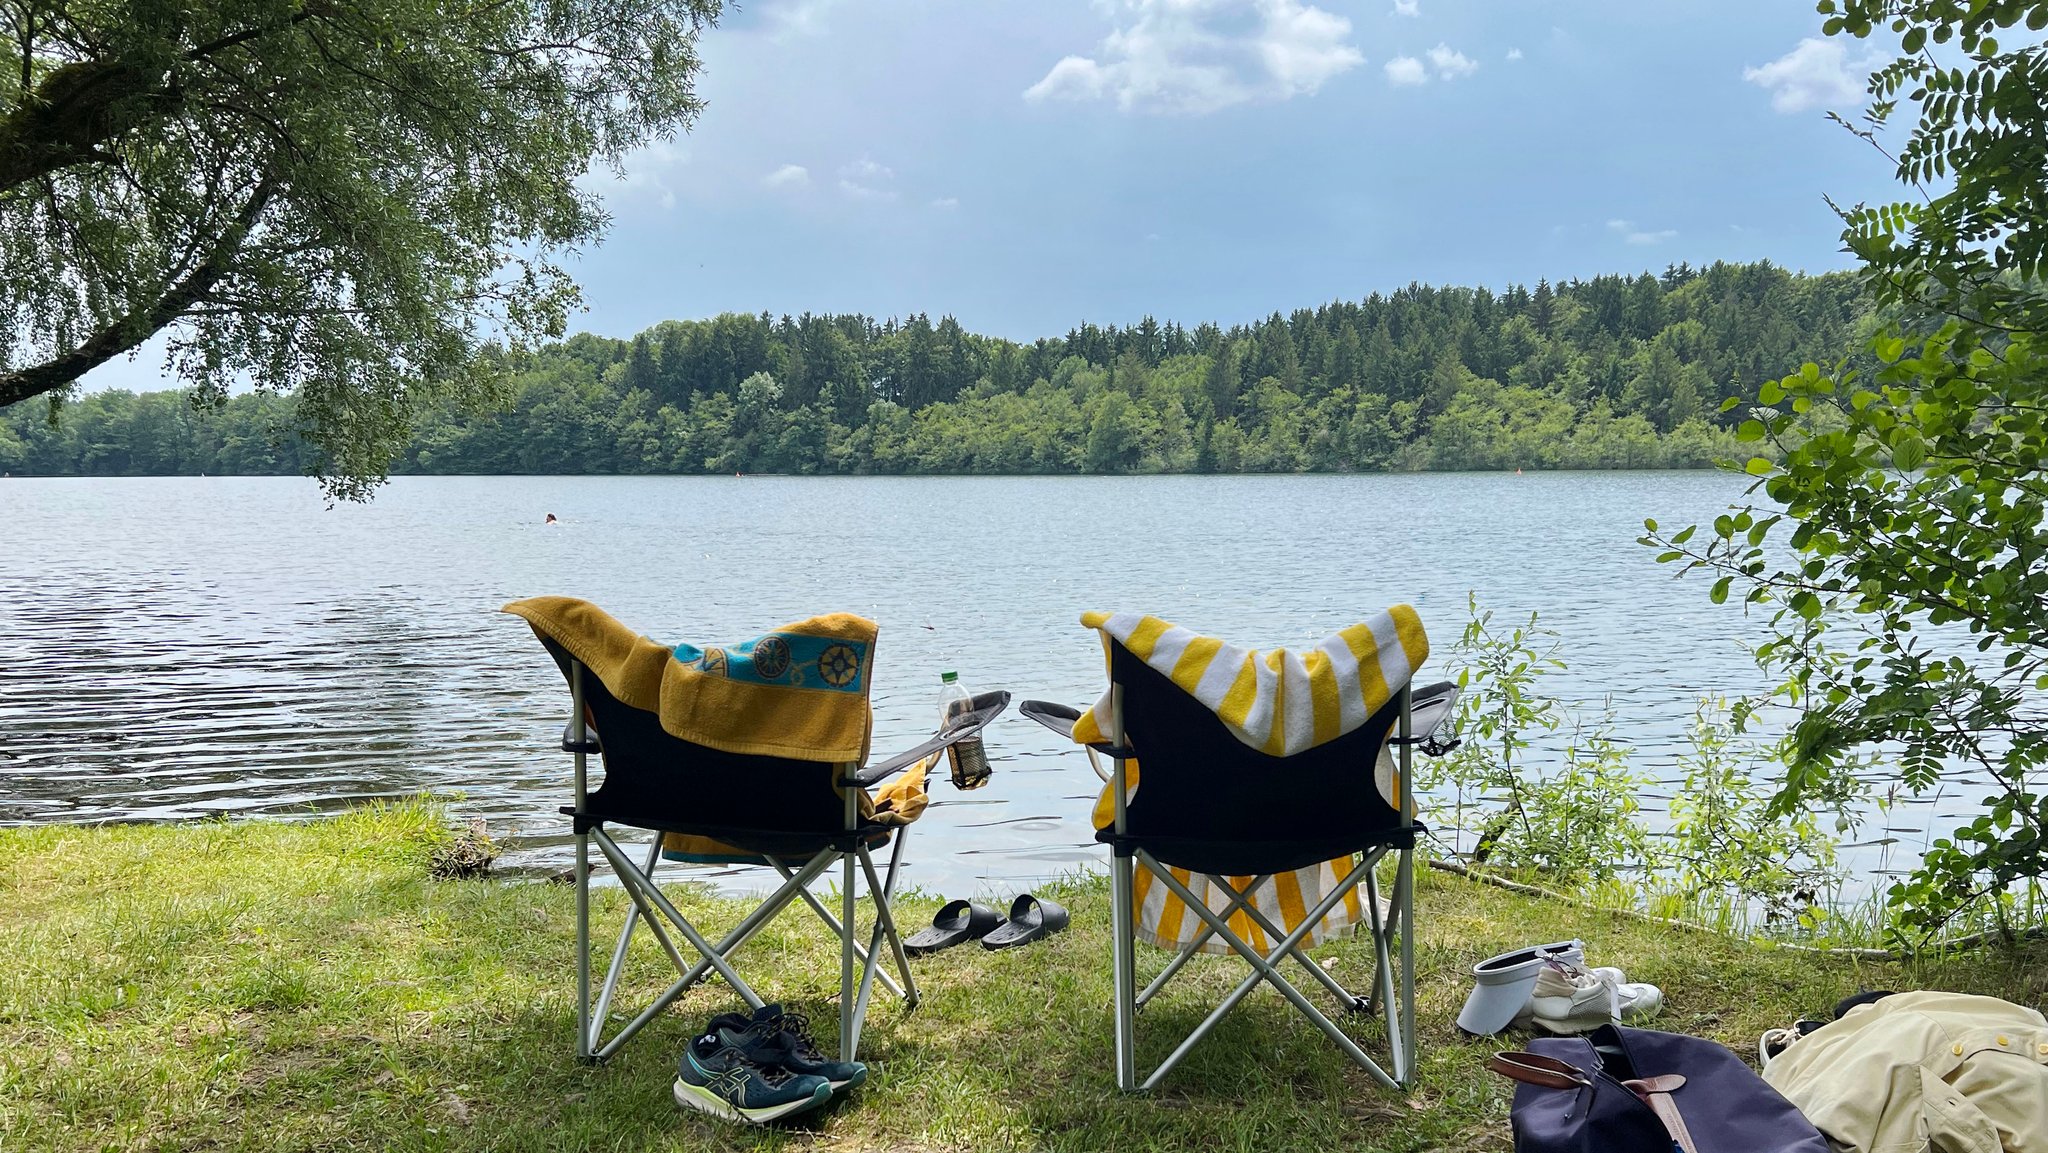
(190, 647)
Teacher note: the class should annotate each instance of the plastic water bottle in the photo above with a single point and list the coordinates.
(969, 761)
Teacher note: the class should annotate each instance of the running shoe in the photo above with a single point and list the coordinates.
(717, 1077)
(775, 1036)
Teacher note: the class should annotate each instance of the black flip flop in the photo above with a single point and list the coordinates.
(1030, 919)
(956, 923)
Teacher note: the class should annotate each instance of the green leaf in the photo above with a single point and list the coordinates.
(1908, 450)
(1757, 466)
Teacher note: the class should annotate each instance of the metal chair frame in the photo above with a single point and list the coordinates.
(650, 905)
(1393, 994)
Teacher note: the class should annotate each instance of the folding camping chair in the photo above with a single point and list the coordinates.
(1210, 804)
(798, 817)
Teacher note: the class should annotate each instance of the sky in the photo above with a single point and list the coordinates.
(1027, 165)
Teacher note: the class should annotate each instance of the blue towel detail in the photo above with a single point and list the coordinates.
(792, 660)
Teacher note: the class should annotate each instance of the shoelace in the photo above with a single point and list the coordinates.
(773, 1075)
(797, 1028)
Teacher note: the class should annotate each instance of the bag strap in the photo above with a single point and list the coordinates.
(1536, 1069)
(1656, 1093)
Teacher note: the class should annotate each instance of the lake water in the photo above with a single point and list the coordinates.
(173, 648)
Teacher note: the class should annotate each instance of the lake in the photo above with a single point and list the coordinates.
(175, 648)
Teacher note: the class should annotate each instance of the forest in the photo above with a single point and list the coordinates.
(1611, 372)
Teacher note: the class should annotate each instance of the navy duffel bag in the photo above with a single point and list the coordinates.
(1622, 1090)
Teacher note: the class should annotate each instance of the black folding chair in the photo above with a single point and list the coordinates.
(798, 817)
(1210, 804)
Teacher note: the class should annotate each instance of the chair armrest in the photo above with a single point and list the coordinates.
(587, 745)
(982, 708)
(1429, 716)
(1060, 719)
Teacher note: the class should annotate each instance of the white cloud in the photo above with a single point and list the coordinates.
(1407, 7)
(1451, 64)
(946, 202)
(648, 174)
(1633, 235)
(1073, 78)
(1403, 70)
(788, 174)
(866, 180)
(800, 17)
(1514, 53)
(1198, 56)
(1815, 74)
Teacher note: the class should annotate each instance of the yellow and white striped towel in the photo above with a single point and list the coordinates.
(1280, 702)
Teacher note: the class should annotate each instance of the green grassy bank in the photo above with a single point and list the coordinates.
(286, 986)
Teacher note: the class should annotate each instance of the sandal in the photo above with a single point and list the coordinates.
(1030, 919)
(957, 922)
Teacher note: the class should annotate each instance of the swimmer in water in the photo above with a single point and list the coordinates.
(551, 519)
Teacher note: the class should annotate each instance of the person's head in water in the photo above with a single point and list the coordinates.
(552, 520)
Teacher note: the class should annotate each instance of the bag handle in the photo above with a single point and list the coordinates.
(1536, 1069)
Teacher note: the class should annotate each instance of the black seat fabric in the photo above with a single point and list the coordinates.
(1210, 803)
(774, 806)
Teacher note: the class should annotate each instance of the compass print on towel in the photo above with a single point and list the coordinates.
(771, 657)
(839, 664)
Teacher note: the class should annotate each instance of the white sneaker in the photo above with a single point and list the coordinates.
(1568, 999)
(1555, 980)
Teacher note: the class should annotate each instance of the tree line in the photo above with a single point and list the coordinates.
(1611, 372)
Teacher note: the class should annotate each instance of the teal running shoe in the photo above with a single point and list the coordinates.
(777, 1037)
(716, 1077)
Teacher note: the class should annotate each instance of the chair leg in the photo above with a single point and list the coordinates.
(832, 923)
(633, 915)
(846, 947)
(1122, 948)
(1383, 975)
(1404, 908)
(909, 990)
(884, 927)
(586, 1039)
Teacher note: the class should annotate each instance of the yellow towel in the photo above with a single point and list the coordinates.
(1279, 702)
(799, 692)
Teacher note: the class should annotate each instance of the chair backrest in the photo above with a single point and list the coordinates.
(1208, 801)
(653, 780)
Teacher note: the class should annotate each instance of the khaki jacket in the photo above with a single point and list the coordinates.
(1924, 1071)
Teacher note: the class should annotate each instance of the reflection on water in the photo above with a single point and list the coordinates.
(183, 647)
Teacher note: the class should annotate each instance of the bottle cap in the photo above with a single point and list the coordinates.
(948, 678)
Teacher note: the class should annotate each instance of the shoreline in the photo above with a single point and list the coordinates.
(308, 984)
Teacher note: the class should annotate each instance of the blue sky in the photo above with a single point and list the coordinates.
(1029, 164)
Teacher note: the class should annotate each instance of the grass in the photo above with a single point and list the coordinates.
(310, 986)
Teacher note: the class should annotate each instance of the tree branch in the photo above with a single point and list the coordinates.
(128, 333)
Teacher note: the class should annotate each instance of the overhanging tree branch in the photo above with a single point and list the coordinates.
(127, 333)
